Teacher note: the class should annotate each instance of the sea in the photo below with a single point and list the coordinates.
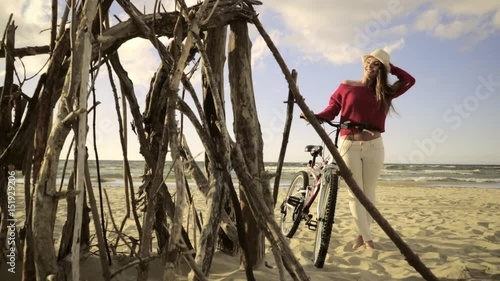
(445, 175)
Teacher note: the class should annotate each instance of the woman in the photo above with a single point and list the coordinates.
(367, 100)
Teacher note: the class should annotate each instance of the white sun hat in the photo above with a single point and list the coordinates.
(382, 56)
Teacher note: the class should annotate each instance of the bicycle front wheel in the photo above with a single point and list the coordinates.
(291, 208)
(325, 219)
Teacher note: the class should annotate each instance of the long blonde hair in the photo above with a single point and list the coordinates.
(383, 91)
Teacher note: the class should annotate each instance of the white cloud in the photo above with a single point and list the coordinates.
(32, 19)
(456, 19)
(467, 7)
(340, 32)
(396, 45)
(454, 29)
(427, 20)
(140, 59)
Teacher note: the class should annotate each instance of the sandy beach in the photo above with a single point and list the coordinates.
(454, 231)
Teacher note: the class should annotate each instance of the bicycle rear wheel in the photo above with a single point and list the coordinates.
(325, 218)
(291, 208)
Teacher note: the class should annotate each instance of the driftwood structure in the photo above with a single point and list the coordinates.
(32, 141)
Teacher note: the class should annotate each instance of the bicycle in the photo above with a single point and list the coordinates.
(301, 195)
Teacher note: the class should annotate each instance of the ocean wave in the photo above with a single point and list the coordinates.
(443, 179)
(468, 172)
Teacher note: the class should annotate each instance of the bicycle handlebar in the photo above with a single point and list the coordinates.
(347, 124)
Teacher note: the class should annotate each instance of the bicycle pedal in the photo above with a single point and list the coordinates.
(312, 225)
(292, 200)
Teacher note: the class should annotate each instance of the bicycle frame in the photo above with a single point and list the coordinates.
(301, 195)
(313, 189)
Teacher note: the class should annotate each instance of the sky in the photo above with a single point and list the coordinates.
(450, 116)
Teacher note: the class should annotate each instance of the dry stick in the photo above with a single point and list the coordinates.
(127, 176)
(224, 135)
(286, 135)
(9, 36)
(82, 50)
(66, 164)
(53, 30)
(62, 24)
(265, 217)
(189, 197)
(201, 181)
(6, 27)
(203, 134)
(28, 51)
(45, 190)
(173, 137)
(127, 89)
(101, 239)
(225, 139)
(116, 228)
(215, 200)
(159, 165)
(9, 62)
(132, 264)
(345, 173)
(124, 149)
(98, 169)
(192, 264)
(96, 153)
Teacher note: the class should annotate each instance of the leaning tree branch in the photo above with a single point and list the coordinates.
(344, 171)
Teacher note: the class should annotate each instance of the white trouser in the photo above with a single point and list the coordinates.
(365, 159)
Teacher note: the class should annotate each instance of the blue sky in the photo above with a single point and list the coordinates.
(450, 116)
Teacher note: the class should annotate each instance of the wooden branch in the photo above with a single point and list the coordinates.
(345, 173)
(167, 129)
(97, 225)
(145, 30)
(132, 251)
(173, 136)
(62, 24)
(53, 28)
(43, 212)
(163, 23)
(99, 181)
(9, 73)
(27, 51)
(127, 88)
(5, 30)
(286, 135)
(82, 55)
(114, 37)
(132, 264)
(201, 130)
(264, 216)
(187, 255)
(128, 175)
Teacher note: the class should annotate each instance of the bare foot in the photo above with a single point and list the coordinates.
(358, 242)
(369, 245)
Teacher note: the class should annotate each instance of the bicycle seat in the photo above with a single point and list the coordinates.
(315, 150)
